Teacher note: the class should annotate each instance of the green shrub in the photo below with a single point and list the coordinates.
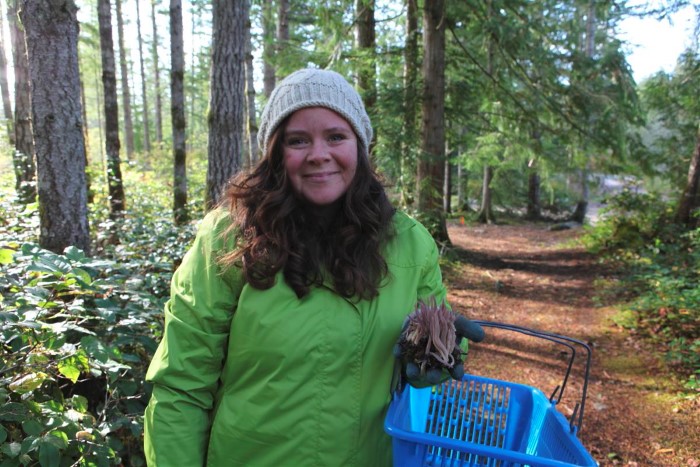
(661, 264)
(78, 332)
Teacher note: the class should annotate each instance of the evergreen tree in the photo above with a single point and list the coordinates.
(227, 99)
(52, 55)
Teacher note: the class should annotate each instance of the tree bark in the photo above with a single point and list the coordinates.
(111, 111)
(268, 23)
(365, 40)
(126, 93)
(252, 133)
(5, 88)
(534, 209)
(52, 56)
(156, 74)
(486, 215)
(689, 204)
(227, 99)
(177, 113)
(581, 210)
(144, 94)
(432, 161)
(24, 156)
(410, 83)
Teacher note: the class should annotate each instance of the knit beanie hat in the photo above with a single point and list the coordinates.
(314, 88)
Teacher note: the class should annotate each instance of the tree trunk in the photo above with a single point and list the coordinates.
(462, 184)
(24, 156)
(282, 33)
(581, 210)
(431, 165)
(5, 88)
(447, 189)
(365, 39)
(534, 209)
(579, 214)
(156, 74)
(410, 83)
(227, 99)
(126, 93)
(177, 113)
(687, 213)
(268, 23)
(486, 215)
(52, 51)
(144, 94)
(486, 212)
(252, 133)
(111, 111)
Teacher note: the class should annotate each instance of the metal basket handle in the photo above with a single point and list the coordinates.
(576, 420)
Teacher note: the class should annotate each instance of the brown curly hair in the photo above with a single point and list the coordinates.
(276, 230)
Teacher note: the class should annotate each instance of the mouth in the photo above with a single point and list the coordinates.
(318, 176)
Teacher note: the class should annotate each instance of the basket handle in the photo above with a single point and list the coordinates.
(576, 419)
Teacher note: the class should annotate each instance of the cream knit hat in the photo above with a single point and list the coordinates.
(314, 88)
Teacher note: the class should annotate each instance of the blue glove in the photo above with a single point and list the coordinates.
(421, 371)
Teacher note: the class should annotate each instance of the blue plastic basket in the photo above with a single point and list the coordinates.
(483, 422)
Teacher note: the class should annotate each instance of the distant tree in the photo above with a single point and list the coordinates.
(410, 84)
(5, 88)
(126, 93)
(177, 113)
(144, 85)
(156, 73)
(268, 30)
(432, 159)
(111, 111)
(486, 214)
(689, 206)
(252, 133)
(365, 43)
(23, 156)
(52, 51)
(227, 99)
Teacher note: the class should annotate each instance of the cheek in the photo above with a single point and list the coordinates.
(292, 164)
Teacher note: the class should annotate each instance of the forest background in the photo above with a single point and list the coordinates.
(484, 111)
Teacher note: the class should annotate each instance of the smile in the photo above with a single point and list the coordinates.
(320, 176)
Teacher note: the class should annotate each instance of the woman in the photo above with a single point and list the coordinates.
(278, 338)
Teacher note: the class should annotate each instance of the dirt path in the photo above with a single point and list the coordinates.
(533, 277)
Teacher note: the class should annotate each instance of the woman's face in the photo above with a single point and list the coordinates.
(320, 154)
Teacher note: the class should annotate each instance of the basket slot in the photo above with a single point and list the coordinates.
(467, 411)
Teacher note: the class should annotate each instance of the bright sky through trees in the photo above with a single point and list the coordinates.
(656, 45)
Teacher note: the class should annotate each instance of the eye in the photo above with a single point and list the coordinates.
(336, 137)
(295, 141)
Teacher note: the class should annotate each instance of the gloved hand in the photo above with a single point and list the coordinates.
(421, 371)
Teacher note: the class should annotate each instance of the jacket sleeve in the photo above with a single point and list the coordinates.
(186, 367)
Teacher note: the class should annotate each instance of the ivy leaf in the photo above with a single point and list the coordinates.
(27, 383)
(49, 455)
(32, 427)
(72, 366)
(11, 450)
(6, 256)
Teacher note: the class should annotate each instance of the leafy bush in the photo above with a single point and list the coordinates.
(661, 264)
(78, 332)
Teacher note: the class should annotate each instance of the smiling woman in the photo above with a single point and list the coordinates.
(320, 154)
(279, 334)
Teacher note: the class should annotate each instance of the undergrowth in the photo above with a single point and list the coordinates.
(78, 332)
(659, 269)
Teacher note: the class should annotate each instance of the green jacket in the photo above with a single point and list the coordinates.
(267, 379)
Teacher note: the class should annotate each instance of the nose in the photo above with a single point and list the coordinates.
(318, 152)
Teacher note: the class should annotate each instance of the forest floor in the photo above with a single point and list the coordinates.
(531, 276)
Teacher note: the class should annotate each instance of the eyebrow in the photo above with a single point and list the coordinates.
(335, 129)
